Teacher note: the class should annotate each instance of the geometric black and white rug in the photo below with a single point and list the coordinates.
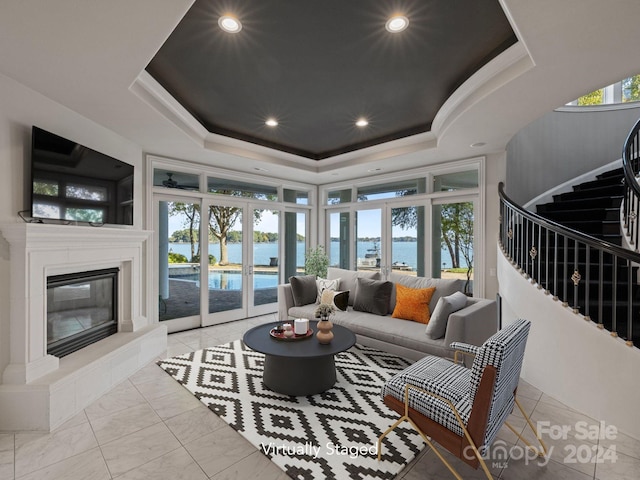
(330, 435)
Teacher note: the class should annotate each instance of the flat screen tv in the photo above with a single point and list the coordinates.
(73, 183)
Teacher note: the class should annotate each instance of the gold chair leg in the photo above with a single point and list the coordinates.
(424, 437)
(540, 453)
(427, 439)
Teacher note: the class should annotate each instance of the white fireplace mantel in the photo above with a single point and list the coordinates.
(41, 250)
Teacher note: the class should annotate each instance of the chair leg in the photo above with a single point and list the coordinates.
(427, 440)
(424, 437)
(540, 453)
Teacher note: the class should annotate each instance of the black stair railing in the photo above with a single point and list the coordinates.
(596, 279)
(631, 202)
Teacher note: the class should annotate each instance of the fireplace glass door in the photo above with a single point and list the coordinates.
(81, 309)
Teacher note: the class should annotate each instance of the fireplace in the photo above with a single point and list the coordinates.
(39, 390)
(82, 308)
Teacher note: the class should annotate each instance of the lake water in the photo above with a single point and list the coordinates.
(402, 252)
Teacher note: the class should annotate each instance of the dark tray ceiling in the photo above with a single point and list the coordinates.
(319, 66)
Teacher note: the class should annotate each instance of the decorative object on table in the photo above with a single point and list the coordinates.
(228, 380)
(279, 333)
(301, 326)
(324, 311)
(288, 330)
(316, 262)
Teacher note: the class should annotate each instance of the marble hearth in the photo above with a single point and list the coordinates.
(41, 391)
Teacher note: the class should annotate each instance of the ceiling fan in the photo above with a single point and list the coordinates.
(170, 182)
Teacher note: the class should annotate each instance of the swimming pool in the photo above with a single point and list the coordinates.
(233, 280)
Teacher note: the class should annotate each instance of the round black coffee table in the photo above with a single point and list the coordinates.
(298, 367)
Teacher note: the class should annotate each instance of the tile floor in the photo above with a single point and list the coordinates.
(149, 427)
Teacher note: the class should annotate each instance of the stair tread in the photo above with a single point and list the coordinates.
(580, 204)
(602, 182)
(609, 173)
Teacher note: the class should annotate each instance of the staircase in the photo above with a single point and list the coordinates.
(593, 208)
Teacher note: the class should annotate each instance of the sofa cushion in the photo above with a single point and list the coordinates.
(304, 289)
(444, 287)
(404, 333)
(446, 306)
(372, 296)
(413, 303)
(348, 279)
(339, 300)
(326, 284)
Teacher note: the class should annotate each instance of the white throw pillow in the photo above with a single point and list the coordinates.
(325, 284)
(437, 325)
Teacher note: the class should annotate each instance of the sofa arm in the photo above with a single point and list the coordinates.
(473, 324)
(285, 300)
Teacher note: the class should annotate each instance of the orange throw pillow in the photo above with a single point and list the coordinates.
(413, 303)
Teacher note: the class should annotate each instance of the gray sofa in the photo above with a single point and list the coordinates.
(473, 323)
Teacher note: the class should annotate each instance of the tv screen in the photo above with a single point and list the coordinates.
(71, 182)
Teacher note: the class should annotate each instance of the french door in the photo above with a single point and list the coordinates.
(244, 265)
(232, 275)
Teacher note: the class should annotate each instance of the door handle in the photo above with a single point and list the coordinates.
(250, 270)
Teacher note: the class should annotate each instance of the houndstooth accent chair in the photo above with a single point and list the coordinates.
(460, 407)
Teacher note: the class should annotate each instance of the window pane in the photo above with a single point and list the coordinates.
(454, 233)
(593, 98)
(265, 257)
(339, 235)
(178, 261)
(339, 196)
(295, 196)
(631, 89)
(86, 192)
(392, 190)
(233, 188)
(93, 215)
(450, 182)
(295, 243)
(176, 180)
(44, 210)
(407, 248)
(368, 233)
(45, 187)
(226, 254)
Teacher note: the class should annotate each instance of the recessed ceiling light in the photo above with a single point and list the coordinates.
(374, 170)
(271, 122)
(397, 23)
(362, 122)
(229, 24)
(478, 144)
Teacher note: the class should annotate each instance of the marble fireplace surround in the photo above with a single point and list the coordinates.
(40, 391)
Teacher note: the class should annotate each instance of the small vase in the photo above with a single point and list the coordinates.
(324, 335)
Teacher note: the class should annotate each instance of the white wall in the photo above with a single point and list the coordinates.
(20, 108)
(562, 145)
(569, 358)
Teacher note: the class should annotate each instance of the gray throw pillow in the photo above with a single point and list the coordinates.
(304, 290)
(348, 279)
(372, 296)
(437, 326)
